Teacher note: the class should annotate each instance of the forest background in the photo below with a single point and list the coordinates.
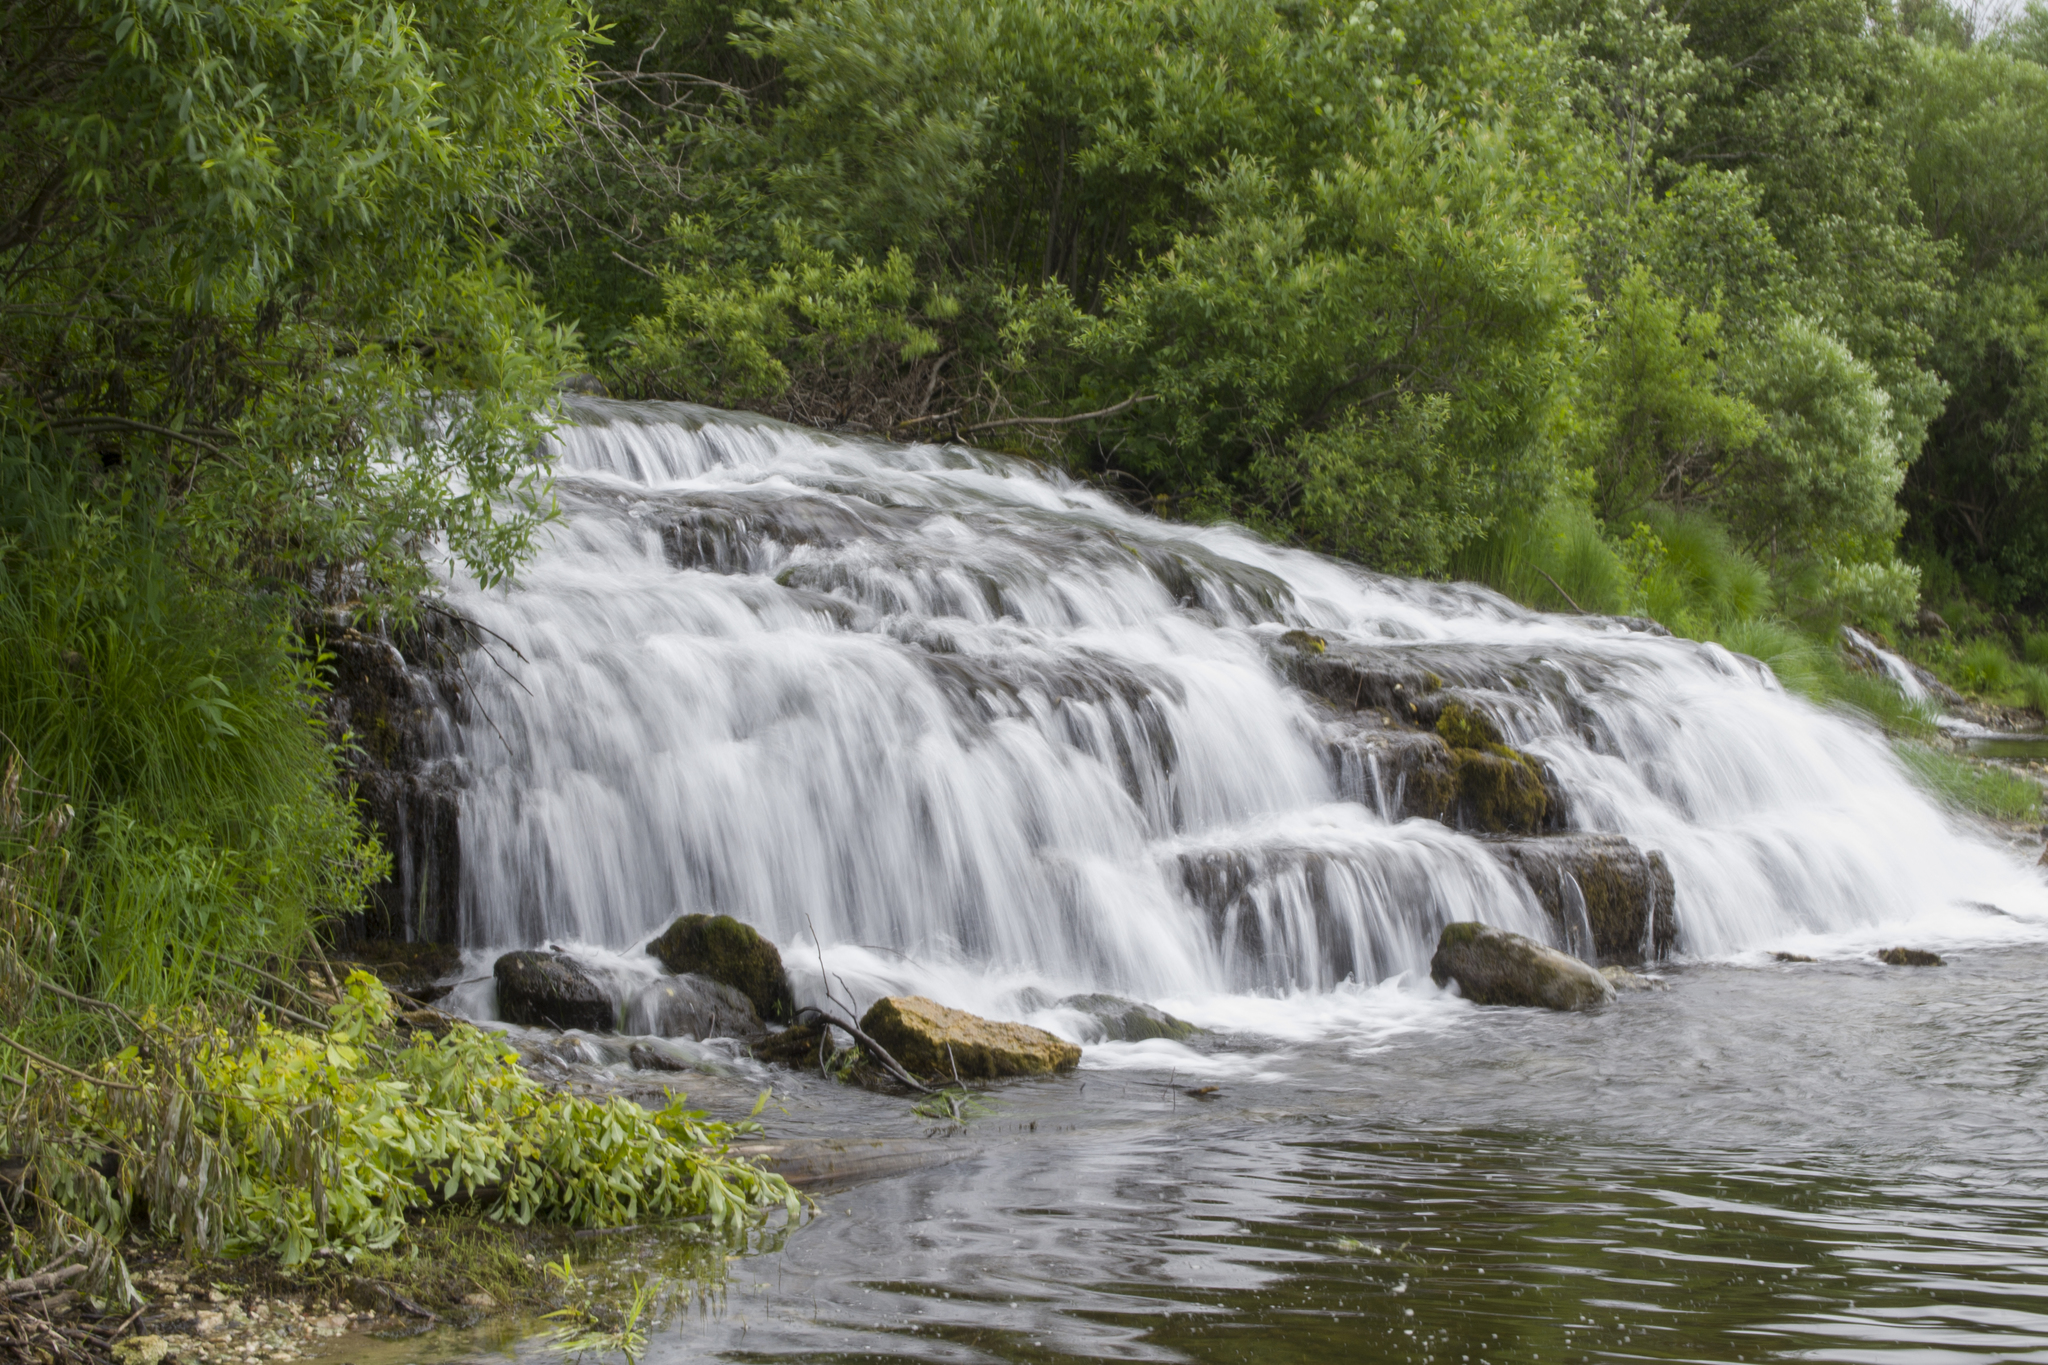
(1731, 313)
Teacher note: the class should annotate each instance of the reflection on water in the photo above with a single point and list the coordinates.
(1835, 1161)
(2008, 746)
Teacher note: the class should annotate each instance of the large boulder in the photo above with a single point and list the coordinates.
(1495, 967)
(933, 1041)
(727, 951)
(549, 990)
(692, 1006)
(1128, 1021)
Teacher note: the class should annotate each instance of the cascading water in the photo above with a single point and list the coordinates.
(988, 734)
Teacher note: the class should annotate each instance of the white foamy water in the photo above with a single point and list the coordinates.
(967, 725)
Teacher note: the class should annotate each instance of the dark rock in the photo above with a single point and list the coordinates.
(793, 1047)
(1627, 893)
(410, 970)
(1307, 643)
(1495, 967)
(692, 1006)
(1910, 957)
(550, 990)
(1929, 622)
(392, 706)
(937, 1042)
(1790, 957)
(431, 1022)
(1128, 1021)
(732, 953)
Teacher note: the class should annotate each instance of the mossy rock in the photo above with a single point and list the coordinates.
(1497, 967)
(1305, 642)
(1462, 727)
(732, 953)
(1910, 957)
(933, 1041)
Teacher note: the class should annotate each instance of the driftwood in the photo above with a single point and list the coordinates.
(40, 1283)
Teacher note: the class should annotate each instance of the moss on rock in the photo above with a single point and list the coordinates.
(727, 951)
(1495, 967)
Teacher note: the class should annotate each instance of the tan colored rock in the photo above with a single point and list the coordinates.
(148, 1350)
(932, 1040)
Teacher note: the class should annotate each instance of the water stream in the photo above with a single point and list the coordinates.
(944, 722)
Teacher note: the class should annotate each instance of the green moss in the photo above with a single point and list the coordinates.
(1464, 728)
(727, 951)
(1305, 642)
(1499, 790)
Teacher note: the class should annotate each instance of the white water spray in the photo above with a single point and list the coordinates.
(970, 723)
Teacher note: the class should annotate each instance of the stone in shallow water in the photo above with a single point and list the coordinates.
(1910, 957)
(932, 1041)
(727, 951)
(1622, 979)
(692, 1006)
(1627, 893)
(1495, 967)
(549, 990)
(1129, 1021)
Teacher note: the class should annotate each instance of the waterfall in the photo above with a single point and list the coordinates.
(973, 724)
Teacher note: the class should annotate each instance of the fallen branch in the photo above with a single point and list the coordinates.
(39, 1284)
(1560, 591)
(875, 1049)
(1110, 411)
(54, 1065)
(111, 423)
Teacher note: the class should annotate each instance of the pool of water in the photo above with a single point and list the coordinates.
(1833, 1161)
(2009, 746)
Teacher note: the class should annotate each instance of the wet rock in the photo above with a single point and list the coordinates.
(1496, 967)
(692, 1006)
(395, 701)
(550, 990)
(645, 1058)
(732, 953)
(410, 970)
(1910, 957)
(1307, 643)
(1626, 894)
(933, 1041)
(1128, 1021)
(1622, 979)
(1790, 957)
(796, 1047)
(1466, 779)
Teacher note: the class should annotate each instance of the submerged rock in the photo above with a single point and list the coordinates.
(1910, 957)
(1790, 957)
(549, 990)
(1622, 979)
(1129, 1021)
(933, 1041)
(645, 1058)
(693, 1006)
(1495, 967)
(732, 953)
(1626, 894)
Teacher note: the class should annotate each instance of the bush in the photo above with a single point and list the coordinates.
(1984, 666)
(297, 1143)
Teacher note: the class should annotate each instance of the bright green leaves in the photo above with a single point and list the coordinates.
(329, 1142)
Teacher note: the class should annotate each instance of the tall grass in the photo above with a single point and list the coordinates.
(172, 717)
